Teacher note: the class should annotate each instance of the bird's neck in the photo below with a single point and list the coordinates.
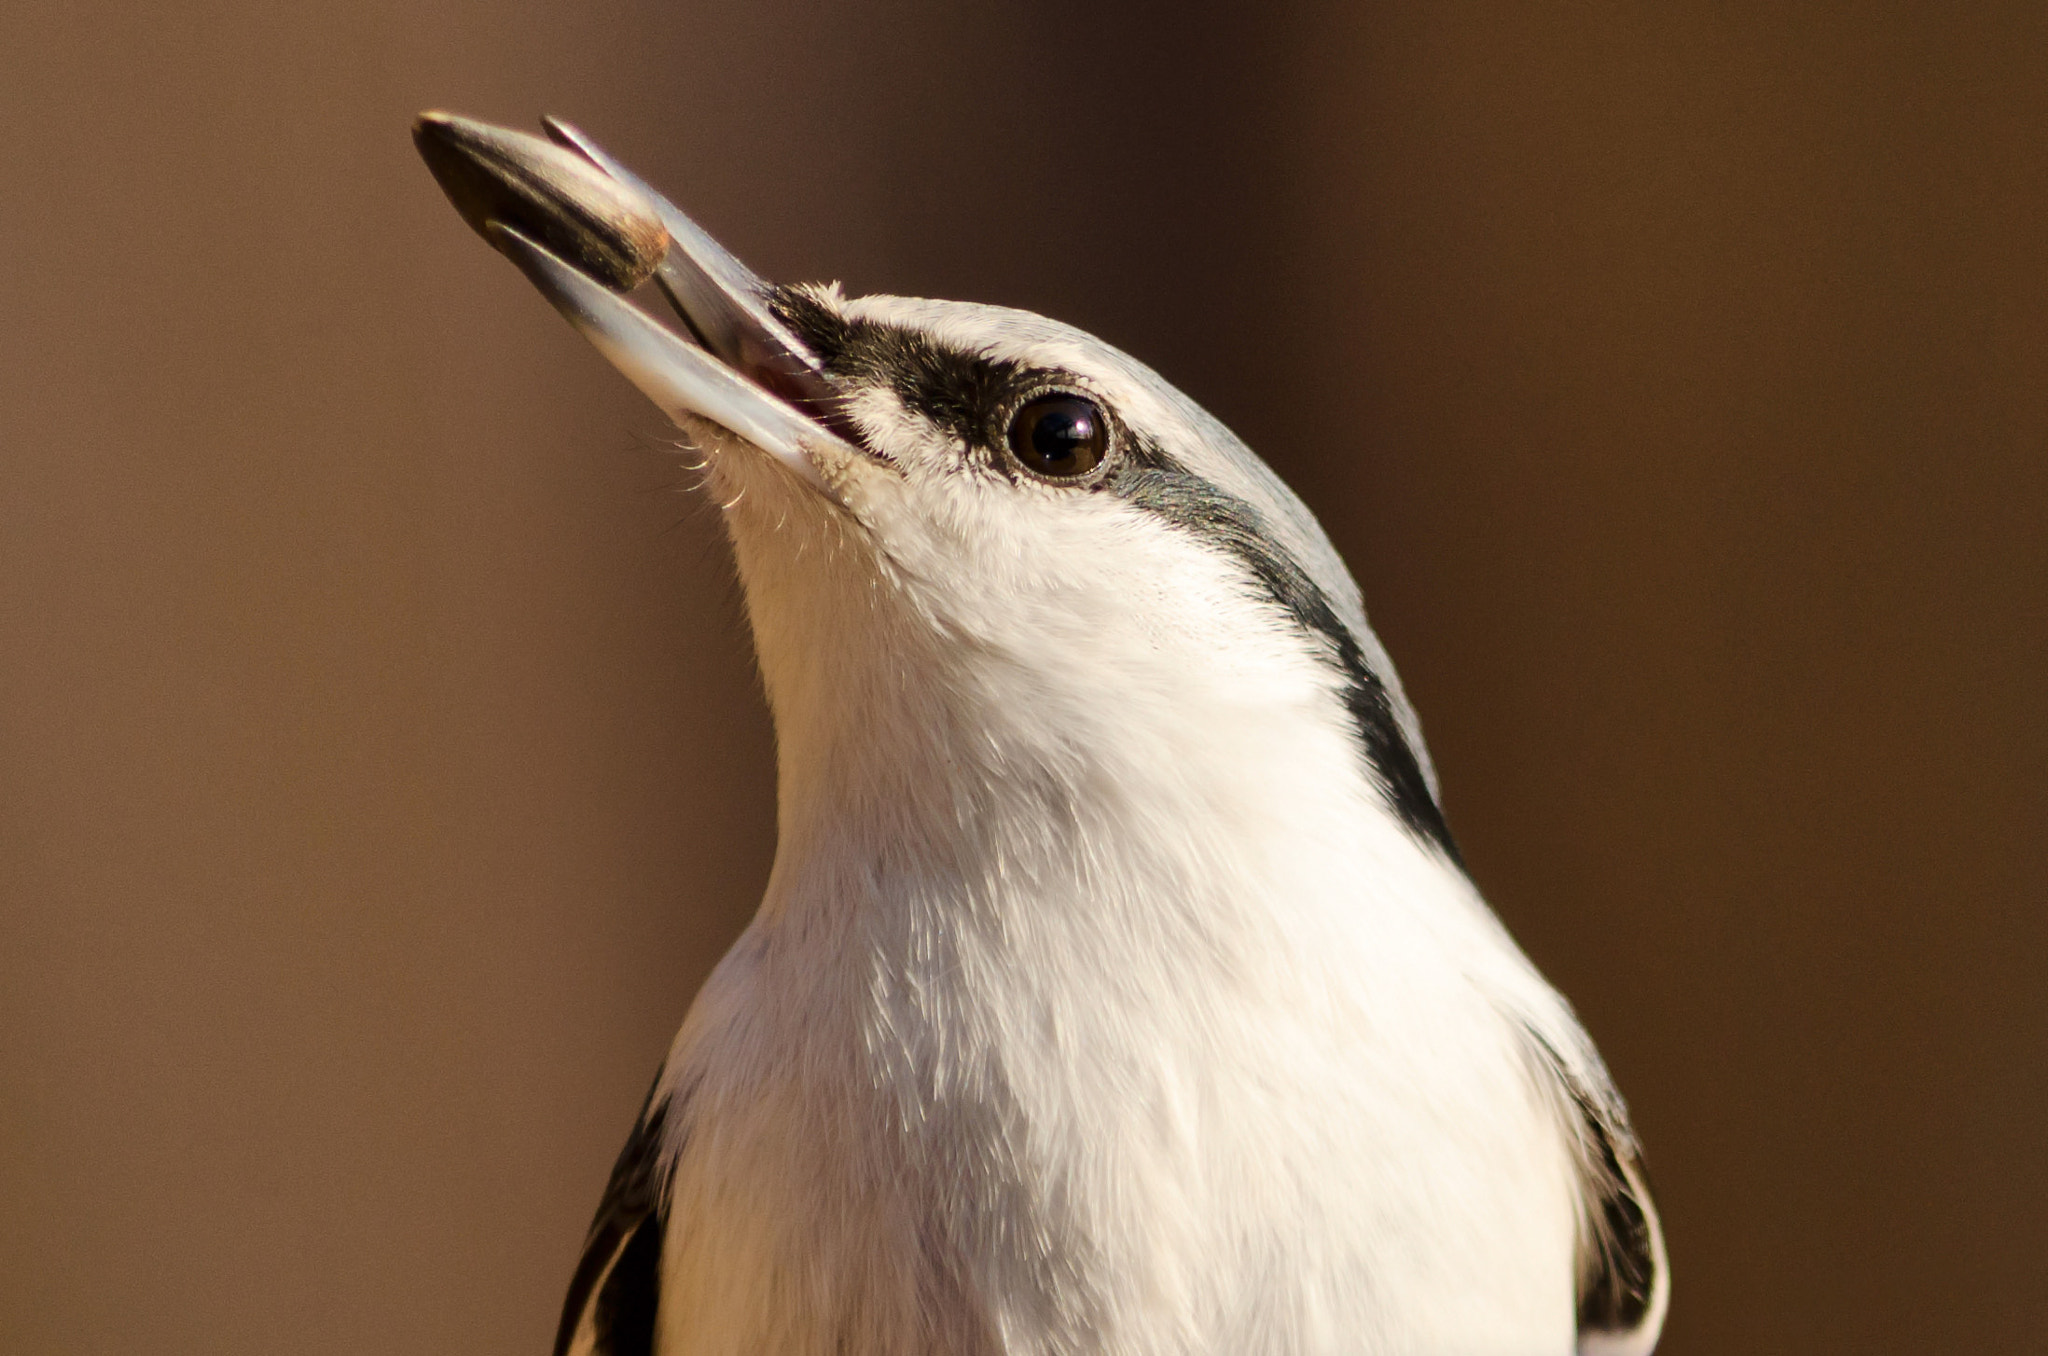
(922, 786)
(1196, 787)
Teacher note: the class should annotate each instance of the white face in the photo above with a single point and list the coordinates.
(1029, 536)
(940, 554)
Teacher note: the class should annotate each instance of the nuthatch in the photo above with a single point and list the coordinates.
(1118, 987)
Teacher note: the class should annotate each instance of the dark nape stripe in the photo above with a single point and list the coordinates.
(1154, 482)
(631, 1220)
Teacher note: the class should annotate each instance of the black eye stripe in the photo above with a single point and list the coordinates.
(971, 396)
(960, 392)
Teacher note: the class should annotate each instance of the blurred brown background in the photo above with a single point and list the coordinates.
(380, 765)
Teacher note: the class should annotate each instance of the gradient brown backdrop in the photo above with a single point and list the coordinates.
(380, 766)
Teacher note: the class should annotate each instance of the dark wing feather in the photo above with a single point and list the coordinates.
(617, 1285)
(1624, 1277)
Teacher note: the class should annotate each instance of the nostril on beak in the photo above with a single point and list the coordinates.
(549, 194)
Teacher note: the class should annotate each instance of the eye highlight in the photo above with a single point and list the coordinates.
(1059, 436)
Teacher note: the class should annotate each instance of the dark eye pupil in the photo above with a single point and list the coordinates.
(1059, 435)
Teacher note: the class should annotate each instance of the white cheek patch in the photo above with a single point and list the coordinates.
(1208, 450)
(1091, 600)
(905, 439)
(931, 489)
(1024, 565)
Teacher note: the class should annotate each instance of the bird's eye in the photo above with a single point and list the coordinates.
(1059, 436)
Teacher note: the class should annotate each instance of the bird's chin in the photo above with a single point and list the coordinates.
(756, 492)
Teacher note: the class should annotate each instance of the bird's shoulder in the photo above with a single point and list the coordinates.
(1624, 1280)
(613, 1297)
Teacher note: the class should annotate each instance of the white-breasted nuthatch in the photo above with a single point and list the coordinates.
(1117, 988)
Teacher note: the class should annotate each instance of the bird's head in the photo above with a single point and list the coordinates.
(968, 535)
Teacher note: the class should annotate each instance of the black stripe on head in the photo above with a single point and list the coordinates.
(957, 391)
(1155, 483)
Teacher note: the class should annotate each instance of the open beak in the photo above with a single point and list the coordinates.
(585, 231)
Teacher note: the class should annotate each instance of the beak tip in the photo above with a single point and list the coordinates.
(551, 193)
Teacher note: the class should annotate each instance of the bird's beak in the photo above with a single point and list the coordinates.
(585, 231)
